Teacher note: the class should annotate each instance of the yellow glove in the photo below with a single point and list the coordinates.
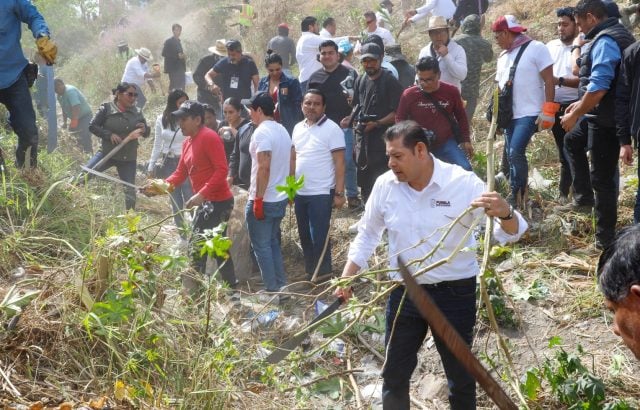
(155, 187)
(47, 49)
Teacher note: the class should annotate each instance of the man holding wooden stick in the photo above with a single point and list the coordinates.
(416, 202)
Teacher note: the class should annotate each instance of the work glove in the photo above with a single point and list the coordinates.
(47, 49)
(547, 117)
(155, 187)
(258, 209)
(74, 124)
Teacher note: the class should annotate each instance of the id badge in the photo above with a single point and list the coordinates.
(234, 82)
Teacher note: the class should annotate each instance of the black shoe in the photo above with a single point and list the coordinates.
(574, 207)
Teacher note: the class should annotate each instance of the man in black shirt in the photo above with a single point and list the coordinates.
(375, 101)
(174, 59)
(336, 83)
(204, 65)
(233, 75)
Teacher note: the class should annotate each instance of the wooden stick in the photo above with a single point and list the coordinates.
(356, 389)
(15, 391)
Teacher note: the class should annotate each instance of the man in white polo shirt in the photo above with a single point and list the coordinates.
(413, 202)
(319, 157)
(137, 72)
(270, 150)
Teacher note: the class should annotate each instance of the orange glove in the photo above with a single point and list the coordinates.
(547, 117)
(258, 209)
(47, 49)
(74, 124)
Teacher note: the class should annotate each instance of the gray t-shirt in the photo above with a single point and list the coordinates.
(285, 48)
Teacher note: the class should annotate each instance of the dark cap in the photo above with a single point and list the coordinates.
(371, 50)
(260, 100)
(233, 45)
(191, 108)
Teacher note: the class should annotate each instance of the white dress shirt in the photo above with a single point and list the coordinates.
(444, 8)
(453, 66)
(134, 71)
(562, 67)
(416, 220)
(385, 35)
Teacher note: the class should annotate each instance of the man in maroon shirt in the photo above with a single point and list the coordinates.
(447, 121)
(203, 161)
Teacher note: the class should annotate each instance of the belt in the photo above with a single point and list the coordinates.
(451, 283)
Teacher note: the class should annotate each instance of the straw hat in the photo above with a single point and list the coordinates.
(437, 23)
(144, 53)
(220, 48)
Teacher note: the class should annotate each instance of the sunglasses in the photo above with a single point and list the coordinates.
(130, 94)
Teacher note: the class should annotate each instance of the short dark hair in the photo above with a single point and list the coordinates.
(567, 11)
(619, 264)
(272, 58)
(328, 21)
(122, 87)
(595, 7)
(283, 31)
(175, 26)
(410, 132)
(428, 63)
(58, 80)
(315, 91)
(328, 43)
(210, 109)
(307, 22)
(376, 39)
(369, 14)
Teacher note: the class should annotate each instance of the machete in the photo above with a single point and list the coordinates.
(287, 347)
(441, 327)
(108, 177)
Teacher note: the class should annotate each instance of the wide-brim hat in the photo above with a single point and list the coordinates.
(219, 48)
(122, 43)
(437, 23)
(144, 53)
(508, 22)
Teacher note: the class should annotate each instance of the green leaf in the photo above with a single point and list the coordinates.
(555, 341)
(531, 385)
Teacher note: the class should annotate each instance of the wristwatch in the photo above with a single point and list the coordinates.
(340, 194)
(508, 217)
(560, 81)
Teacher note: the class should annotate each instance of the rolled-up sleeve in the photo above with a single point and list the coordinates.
(605, 55)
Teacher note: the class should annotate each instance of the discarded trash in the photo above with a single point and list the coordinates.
(266, 319)
(337, 346)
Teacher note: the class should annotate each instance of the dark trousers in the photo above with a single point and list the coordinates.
(458, 304)
(564, 184)
(126, 172)
(209, 215)
(22, 117)
(83, 135)
(176, 80)
(600, 178)
(313, 214)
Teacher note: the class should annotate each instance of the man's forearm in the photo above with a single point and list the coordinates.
(588, 102)
(338, 159)
(262, 180)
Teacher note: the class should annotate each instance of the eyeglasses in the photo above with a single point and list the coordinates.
(131, 94)
(566, 12)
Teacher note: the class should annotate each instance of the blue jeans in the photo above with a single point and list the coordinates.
(350, 180)
(126, 172)
(451, 153)
(517, 137)
(303, 86)
(22, 117)
(313, 214)
(458, 304)
(265, 240)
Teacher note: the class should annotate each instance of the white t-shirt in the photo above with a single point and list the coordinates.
(453, 66)
(324, 33)
(385, 35)
(273, 137)
(444, 8)
(562, 67)
(134, 72)
(528, 86)
(314, 147)
(416, 220)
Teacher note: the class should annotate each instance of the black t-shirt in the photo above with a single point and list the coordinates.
(337, 106)
(377, 98)
(235, 79)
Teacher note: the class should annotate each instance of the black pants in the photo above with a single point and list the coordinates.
(600, 177)
(209, 215)
(176, 80)
(564, 184)
(22, 117)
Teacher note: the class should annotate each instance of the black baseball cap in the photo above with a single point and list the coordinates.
(233, 45)
(260, 100)
(189, 107)
(371, 50)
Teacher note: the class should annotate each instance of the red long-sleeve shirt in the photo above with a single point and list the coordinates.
(415, 106)
(204, 162)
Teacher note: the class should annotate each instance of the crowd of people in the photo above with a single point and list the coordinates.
(379, 133)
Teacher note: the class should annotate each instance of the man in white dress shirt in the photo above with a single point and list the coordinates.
(413, 202)
(371, 27)
(137, 72)
(444, 8)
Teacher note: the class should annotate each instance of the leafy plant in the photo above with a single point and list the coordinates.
(504, 314)
(291, 186)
